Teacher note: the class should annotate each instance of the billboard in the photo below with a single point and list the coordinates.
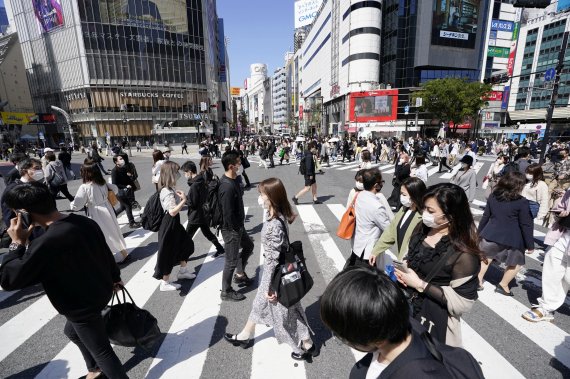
(502, 25)
(499, 52)
(48, 13)
(15, 118)
(563, 5)
(455, 22)
(306, 11)
(234, 91)
(374, 106)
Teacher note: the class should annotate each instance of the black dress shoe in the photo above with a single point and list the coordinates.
(243, 281)
(295, 200)
(307, 355)
(232, 338)
(501, 290)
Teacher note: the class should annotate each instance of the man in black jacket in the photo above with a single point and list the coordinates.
(270, 152)
(197, 197)
(14, 173)
(73, 263)
(123, 176)
(233, 228)
(309, 175)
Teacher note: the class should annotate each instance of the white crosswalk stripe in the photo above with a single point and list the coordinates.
(189, 335)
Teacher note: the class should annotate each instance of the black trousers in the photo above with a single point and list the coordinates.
(63, 189)
(443, 162)
(271, 163)
(191, 229)
(91, 338)
(125, 205)
(235, 261)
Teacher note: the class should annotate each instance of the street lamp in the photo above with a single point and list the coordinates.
(68, 121)
(125, 121)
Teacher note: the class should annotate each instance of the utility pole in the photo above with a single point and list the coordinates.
(553, 97)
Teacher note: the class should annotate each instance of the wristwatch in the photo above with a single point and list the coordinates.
(14, 246)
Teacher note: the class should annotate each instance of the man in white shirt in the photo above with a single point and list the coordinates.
(372, 217)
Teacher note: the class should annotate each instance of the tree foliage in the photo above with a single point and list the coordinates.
(453, 99)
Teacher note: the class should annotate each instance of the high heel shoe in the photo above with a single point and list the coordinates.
(232, 338)
(307, 355)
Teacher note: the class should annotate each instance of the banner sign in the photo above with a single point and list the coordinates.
(48, 13)
(505, 101)
(306, 11)
(502, 26)
(495, 96)
(15, 118)
(499, 52)
(563, 5)
(235, 91)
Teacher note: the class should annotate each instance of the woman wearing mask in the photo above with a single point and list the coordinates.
(404, 223)
(173, 244)
(420, 170)
(466, 178)
(493, 174)
(536, 191)
(55, 176)
(197, 196)
(93, 195)
(402, 172)
(358, 186)
(442, 263)
(123, 176)
(366, 160)
(158, 159)
(290, 325)
(506, 229)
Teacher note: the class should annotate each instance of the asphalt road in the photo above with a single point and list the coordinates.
(194, 319)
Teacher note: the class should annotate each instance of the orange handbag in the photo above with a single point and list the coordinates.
(347, 224)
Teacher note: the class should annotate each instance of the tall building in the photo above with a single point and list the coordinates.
(119, 66)
(257, 99)
(279, 95)
(539, 44)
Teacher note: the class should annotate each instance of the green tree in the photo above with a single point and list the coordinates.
(453, 99)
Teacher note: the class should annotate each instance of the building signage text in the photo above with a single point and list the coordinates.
(453, 35)
(502, 26)
(166, 95)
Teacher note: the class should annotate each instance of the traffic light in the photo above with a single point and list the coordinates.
(531, 3)
(497, 79)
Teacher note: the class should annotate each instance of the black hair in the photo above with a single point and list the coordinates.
(34, 197)
(362, 306)
(524, 152)
(455, 206)
(228, 159)
(416, 189)
(189, 166)
(27, 164)
(17, 157)
(358, 176)
(370, 178)
(510, 186)
(420, 160)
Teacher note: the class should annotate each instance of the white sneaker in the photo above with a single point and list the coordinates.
(166, 286)
(186, 275)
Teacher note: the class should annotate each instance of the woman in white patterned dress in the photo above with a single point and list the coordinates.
(290, 325)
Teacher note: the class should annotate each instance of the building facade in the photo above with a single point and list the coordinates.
(257, 99)
(124, 67)
(279, 98)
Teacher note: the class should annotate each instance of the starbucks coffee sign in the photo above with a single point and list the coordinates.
(138, 95)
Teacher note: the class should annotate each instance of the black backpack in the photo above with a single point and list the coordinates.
(303, 165)
(509, 167)
(153, 213)
(212, 207)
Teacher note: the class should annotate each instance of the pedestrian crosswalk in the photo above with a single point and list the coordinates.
(194, 319)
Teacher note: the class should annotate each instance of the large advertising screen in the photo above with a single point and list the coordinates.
(455, 22)
(306, 11)
(166, 15)
(374, 106)
(48, 13)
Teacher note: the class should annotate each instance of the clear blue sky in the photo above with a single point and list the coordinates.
(259, 31)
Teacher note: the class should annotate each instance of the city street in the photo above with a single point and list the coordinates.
(194, 319)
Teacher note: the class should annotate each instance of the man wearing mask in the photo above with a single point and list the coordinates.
(233, 228)
(561, 171)
(81, 253)
(123, 176)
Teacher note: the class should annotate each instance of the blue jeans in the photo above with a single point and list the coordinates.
(234, 260)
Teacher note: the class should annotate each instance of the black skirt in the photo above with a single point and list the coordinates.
(173, 245)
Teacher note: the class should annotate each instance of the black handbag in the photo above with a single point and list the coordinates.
(245, 162)
(128, 325)
(291, 280)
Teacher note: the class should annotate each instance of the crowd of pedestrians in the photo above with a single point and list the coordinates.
(441, 255)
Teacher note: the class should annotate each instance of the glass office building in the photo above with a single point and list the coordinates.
(140, 66)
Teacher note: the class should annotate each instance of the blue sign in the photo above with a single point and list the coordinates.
(502, 26)
(563, 5)
(506, 93)
(407, 109)
(550, 74)
(493, 34)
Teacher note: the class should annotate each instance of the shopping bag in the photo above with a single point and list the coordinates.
(347, 224)
(128, 325)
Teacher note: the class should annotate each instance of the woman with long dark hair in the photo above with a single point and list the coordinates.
(506, 229)
(442, 263)
(93, 194)
(536, 190)
(289, 324)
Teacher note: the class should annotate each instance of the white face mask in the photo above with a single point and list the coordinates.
(262, 203)
(529, 177)
(429, 220)
(405, 200)
(359, 186)
(38, 175)
(402, 161)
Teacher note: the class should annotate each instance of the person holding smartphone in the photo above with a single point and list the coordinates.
(72, 248)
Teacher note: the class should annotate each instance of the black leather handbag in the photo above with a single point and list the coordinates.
(291, 280)
(128, 325)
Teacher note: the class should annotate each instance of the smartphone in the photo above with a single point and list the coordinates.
(26, 218)
(400, 266)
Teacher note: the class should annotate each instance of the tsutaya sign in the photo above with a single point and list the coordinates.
(166, 95)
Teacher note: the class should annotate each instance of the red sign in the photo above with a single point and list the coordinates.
(511, 61)
(495, 96)
(300, 112)
(370, 106)
(459, 126)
